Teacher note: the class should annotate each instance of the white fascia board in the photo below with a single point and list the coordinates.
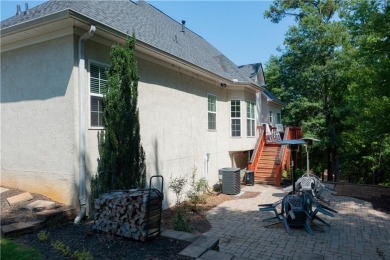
(243, 85)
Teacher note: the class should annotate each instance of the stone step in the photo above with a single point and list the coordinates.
(46, 217)
(55, 216)
(213, 255)
(26, 196)
(19, 228)
(2, 189)
(39, 205)
(200, 246)
(181, 235)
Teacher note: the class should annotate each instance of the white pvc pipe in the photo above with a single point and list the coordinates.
(206, 166)
(82, 196)
(307, 160)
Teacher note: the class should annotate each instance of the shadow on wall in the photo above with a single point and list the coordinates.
(157, 183)
(35, 73)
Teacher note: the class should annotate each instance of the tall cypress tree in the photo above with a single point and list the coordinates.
(122, 158)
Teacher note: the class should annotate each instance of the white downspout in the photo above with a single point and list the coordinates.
(82, 196)
(206, 166)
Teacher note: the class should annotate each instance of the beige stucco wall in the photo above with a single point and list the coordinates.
(37, 119)
(173, 118)
(39, 146)
(266, 107)
(173, 114)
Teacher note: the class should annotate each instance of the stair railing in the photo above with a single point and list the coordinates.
(284, 154)
(257, 150)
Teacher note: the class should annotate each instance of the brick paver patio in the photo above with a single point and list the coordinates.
(357, 232)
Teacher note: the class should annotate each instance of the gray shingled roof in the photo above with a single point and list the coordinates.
(150, 25)
(251, 70)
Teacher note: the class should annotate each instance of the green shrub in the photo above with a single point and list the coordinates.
(198, 188)
(83, 255)
(61, 248)
(177, 185)
(43, 236)
(181, 222)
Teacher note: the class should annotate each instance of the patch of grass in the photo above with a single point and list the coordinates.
(61, 248)
(15, 251)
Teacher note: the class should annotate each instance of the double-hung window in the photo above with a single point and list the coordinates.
(278, 118)
(270, 117)
(212, 112)
(235, 117)
(250, 119)
(97, 87)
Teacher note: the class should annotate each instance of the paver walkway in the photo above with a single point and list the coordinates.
(357, 232)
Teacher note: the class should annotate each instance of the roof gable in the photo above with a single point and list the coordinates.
(256, 73)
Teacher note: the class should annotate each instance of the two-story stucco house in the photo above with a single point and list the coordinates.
(197, 108)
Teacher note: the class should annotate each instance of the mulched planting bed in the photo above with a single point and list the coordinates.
(197, 215)
(102, 246)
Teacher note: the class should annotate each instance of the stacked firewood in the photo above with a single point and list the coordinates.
(128, 214)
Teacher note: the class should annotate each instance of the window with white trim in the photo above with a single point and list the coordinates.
(97, 87)
(250, 119)
(212, 111)
(235, 116)
(278, 118)
(270, 117)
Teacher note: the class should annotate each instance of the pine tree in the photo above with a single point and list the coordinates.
(122, 158)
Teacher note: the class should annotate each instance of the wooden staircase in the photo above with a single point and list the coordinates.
(265, 171)
(269, 159)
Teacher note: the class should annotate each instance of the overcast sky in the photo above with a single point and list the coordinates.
(237, 28)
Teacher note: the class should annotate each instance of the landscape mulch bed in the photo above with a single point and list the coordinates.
(105, 246)
(197, 217)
